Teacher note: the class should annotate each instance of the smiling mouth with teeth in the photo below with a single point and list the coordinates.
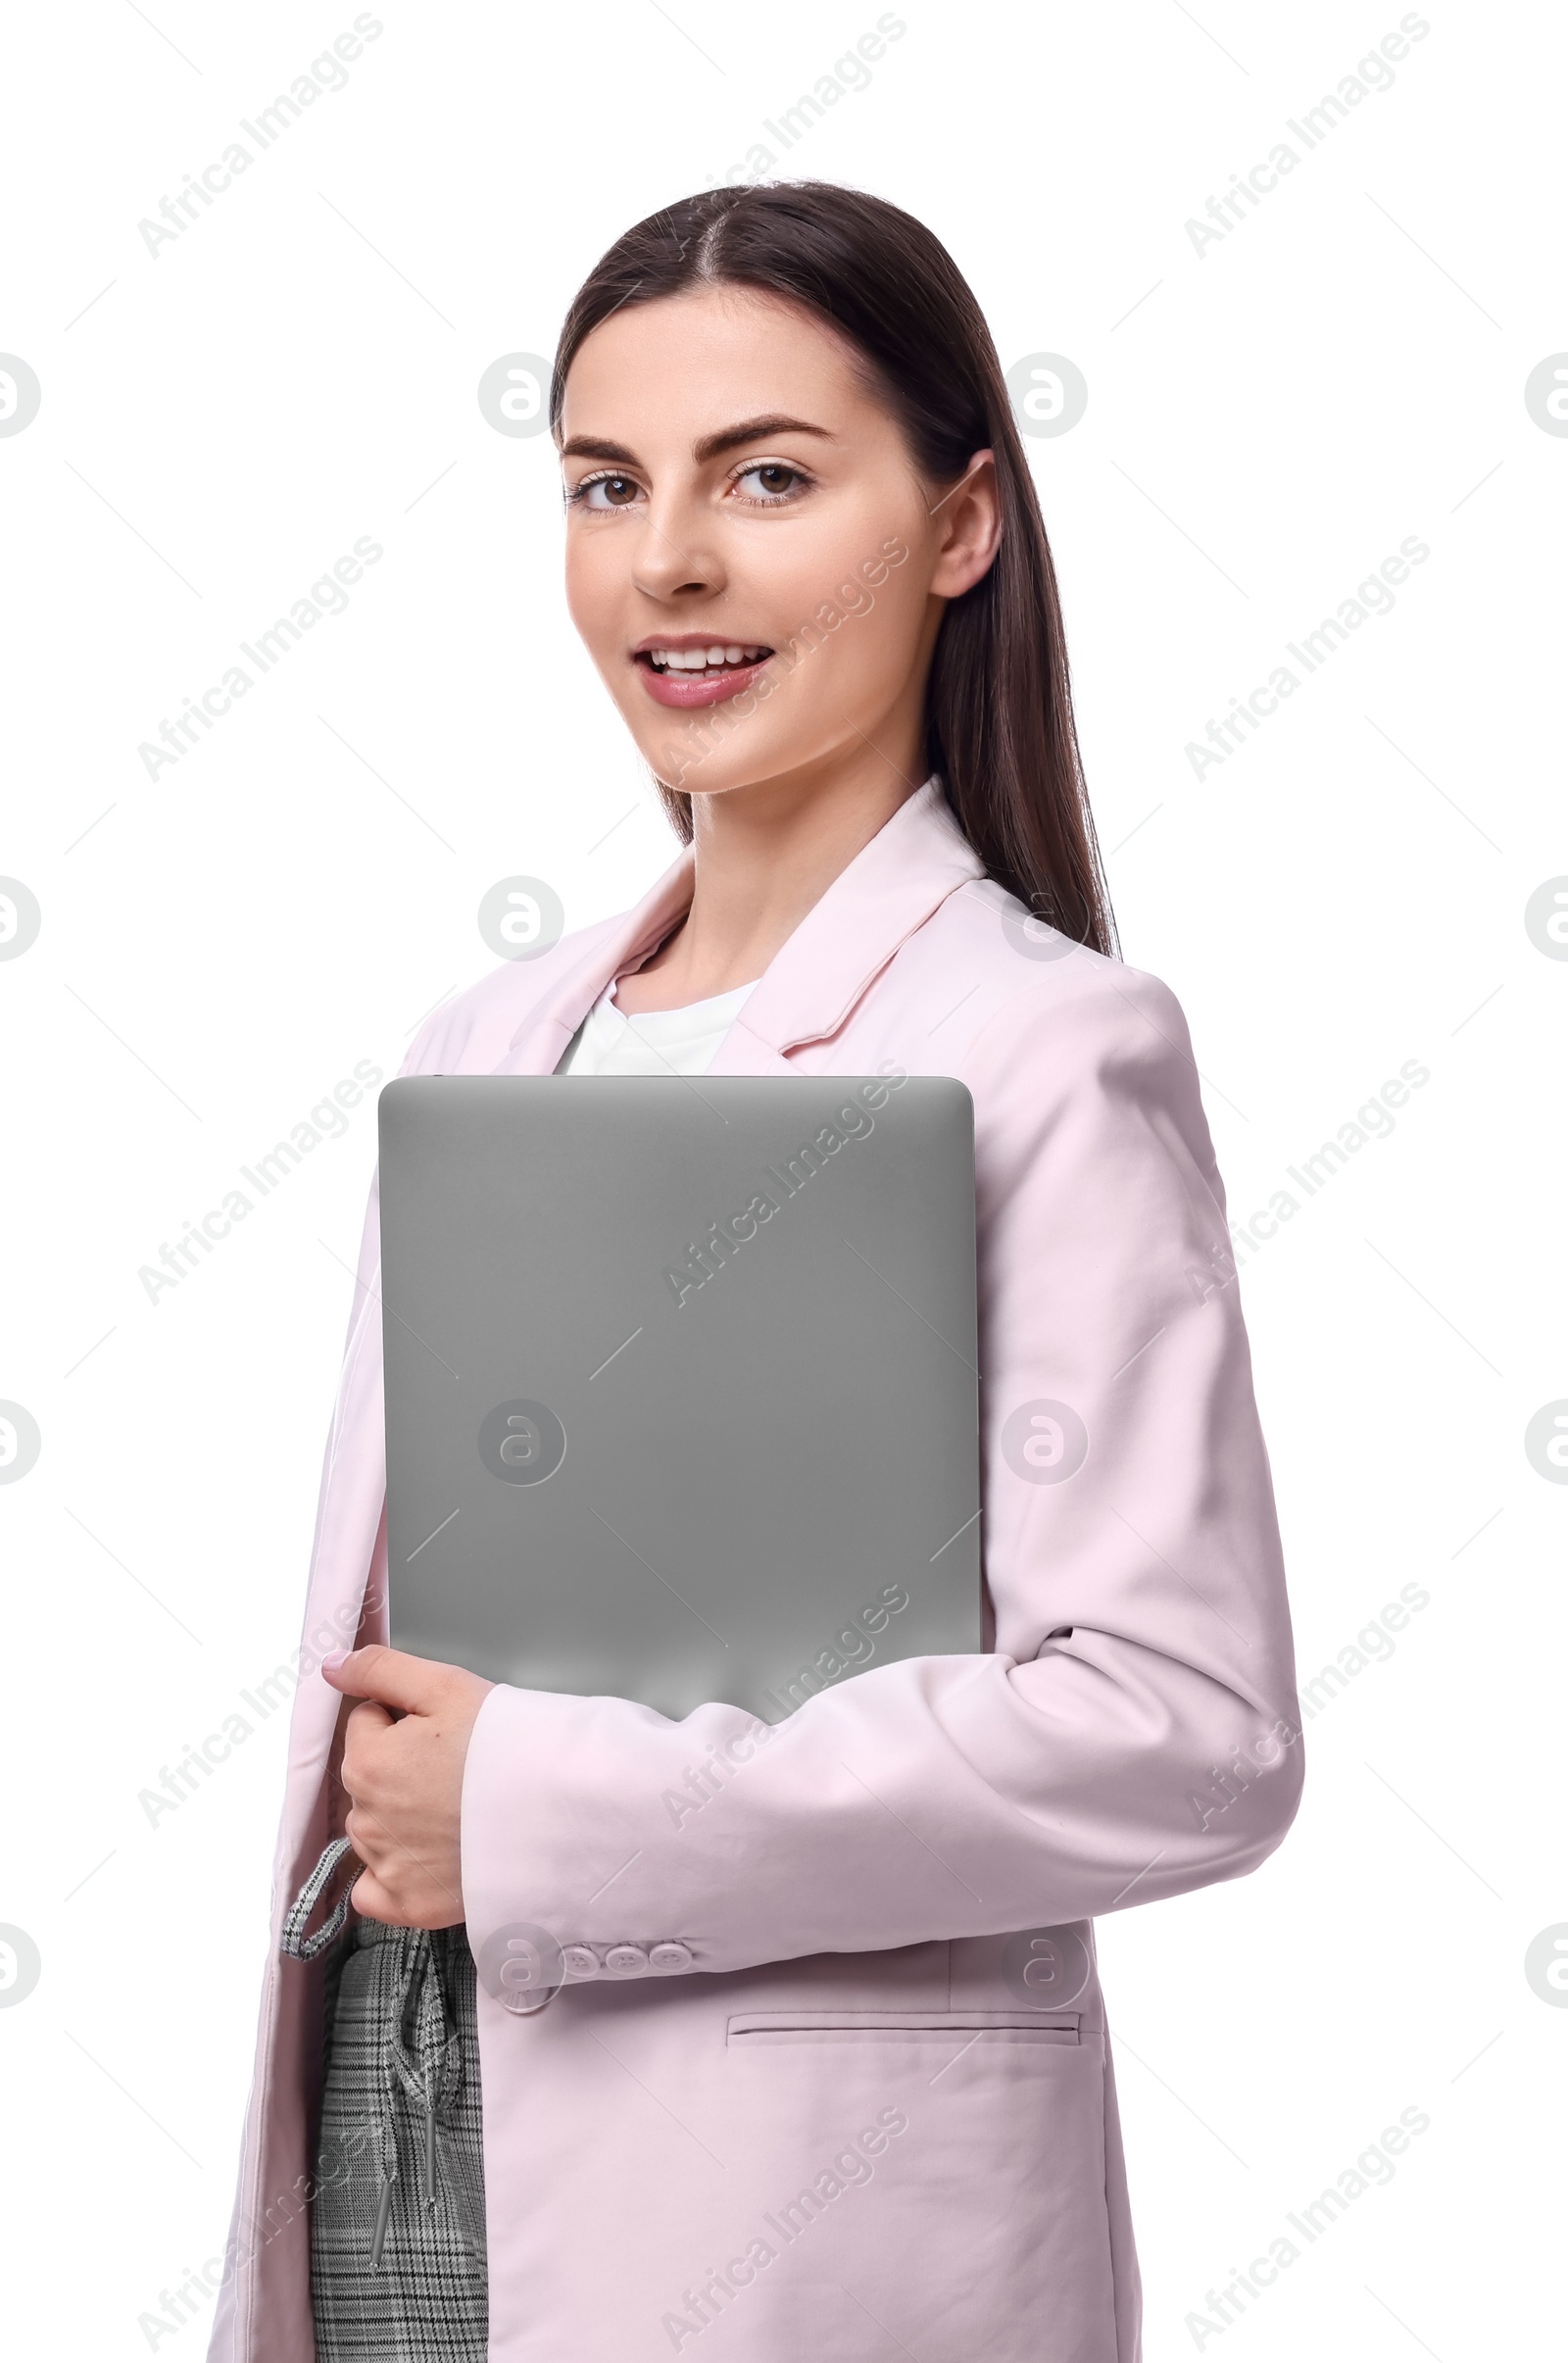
(702, 674)
(714, 658)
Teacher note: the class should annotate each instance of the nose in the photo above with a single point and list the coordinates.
(675, 557)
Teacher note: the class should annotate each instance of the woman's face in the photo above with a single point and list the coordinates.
(751, 559)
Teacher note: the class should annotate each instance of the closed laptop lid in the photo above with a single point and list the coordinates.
(682, 1388)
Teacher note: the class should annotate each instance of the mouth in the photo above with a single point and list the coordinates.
(687, 671)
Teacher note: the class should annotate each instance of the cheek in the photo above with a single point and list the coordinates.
(828, 564)
(870, 648)
(592, 581)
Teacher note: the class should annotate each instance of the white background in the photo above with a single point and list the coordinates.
(1267, 421)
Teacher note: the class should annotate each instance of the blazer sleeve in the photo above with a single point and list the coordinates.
(1133, 1734)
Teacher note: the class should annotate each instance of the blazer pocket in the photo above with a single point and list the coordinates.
(755, 2027)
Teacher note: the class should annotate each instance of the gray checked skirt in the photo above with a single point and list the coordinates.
(397, 2224)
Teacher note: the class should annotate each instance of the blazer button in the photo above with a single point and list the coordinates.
(626, 1961)
(579, 1961)
(669, 1955)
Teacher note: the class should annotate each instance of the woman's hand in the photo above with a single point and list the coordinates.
(404, 1776)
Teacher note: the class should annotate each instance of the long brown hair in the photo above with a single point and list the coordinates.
(998, 707)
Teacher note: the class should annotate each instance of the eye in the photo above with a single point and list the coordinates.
(776, 481)
(619, 492)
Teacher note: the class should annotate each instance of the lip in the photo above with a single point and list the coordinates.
(695, 689)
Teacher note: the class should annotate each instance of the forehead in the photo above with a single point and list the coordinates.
(687, 365)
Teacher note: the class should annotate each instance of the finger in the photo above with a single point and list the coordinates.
(388, 1848)
(363, 1727)
(377, 1902)
(391, 1676)
(369, 1897)
(364, 1716)
(367, 1719)
(366, 1837)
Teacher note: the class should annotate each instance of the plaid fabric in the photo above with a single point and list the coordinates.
(397, 2228)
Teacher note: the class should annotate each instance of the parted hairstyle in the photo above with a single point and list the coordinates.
(999, 707)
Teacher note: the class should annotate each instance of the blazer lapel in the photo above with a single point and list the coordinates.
(539, 1041)
(914, 862)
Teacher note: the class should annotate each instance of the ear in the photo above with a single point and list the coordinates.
(968, 519)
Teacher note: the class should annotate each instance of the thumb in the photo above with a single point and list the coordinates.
(390, 1676)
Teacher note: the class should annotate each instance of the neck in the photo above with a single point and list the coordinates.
(763, 856)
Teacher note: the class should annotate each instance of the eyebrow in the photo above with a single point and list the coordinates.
(710, 447)
(753, 431)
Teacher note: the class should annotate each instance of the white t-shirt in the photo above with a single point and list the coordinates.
(658, 1042)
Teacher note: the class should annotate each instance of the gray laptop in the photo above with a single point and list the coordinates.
(681, 1381)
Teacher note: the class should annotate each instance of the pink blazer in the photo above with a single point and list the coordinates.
(832, 2077)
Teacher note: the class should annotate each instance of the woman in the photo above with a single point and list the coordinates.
(832, 2076)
